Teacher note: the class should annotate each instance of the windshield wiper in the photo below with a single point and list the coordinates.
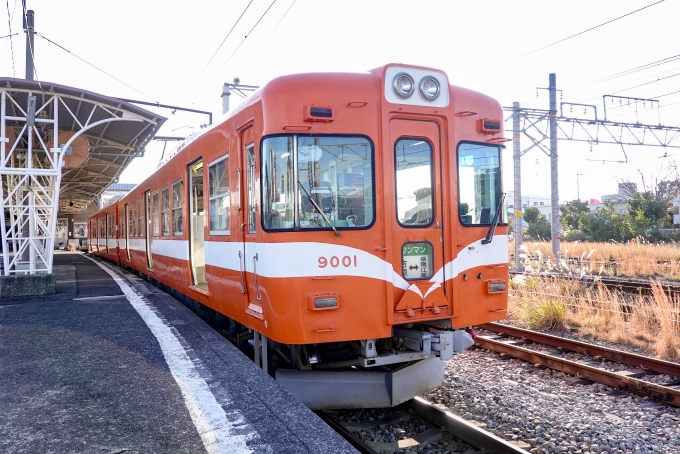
(311, 199)
(494, 223)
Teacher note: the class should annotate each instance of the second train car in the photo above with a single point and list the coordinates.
(349, 228)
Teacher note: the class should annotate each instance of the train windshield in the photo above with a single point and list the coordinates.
(479, 183)
(317, 182)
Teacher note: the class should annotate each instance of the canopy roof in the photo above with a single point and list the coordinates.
(112, 144)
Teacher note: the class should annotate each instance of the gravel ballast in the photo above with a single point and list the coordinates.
(519, 402)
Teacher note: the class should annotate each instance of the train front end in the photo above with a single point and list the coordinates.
(382, 200)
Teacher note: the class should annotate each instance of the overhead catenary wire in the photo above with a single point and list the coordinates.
(96, 67)
(653, 64)
(646, 109)
(586, 31)
(658, 79)
(7, 36)
(222, 43)
(278, 23)
(646, 83)
(651, 98)
(239, 46)
(11, 43)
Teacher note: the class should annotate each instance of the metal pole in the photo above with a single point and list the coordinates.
(554, 200)
(226, 93)
(30, 48)
(26, 230)
(32, 241)
(3, 152)
(518, 184)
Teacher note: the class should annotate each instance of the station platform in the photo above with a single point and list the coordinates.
(111, 364)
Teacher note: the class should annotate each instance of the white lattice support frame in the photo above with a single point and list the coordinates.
(43, 183)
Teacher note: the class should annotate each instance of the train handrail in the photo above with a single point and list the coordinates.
(240, 267)
(257, 289)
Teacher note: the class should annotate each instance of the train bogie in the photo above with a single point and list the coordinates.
(345, 221)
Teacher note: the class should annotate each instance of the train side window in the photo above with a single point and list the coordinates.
(165, 211)
(156, 217)
(413, 165)
(479, 183)
(131, 222)
(278, 203)
(220, 198)
(110, 225)
(177, 207)
(140, 223)
(252, 190)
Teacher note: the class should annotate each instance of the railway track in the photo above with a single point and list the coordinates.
(512, 341)
(444, 424)
(622, 284)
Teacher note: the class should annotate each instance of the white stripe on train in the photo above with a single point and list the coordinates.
(286, 260)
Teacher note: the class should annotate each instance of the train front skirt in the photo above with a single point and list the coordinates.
(320, 390)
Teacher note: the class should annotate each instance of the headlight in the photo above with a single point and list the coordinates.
(429, 88)
(403, 84)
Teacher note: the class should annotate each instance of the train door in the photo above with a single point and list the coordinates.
(418, 240)
(197, 225)
(249, 199)
(147, 223)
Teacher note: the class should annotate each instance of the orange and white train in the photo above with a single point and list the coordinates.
(346, 229)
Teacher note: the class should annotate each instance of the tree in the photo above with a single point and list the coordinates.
(665, 185)
(606, 224)
(648, 209)
(651, 207)
(538, 227)
(571, 214)
(531, 214)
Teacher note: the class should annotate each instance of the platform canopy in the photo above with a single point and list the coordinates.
(107, 149)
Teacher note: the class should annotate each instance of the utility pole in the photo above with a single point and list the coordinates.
(578, 191)
(28, 230)
(30, 47)
(539, 125)
(518, 184)
(554, 199)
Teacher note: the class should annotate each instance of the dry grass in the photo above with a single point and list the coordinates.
(632, 259)
(649, 323)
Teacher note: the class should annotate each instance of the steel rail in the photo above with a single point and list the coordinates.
(465, 430)
(628, 285)
(445, 421)
(618, 380)
(595, 351)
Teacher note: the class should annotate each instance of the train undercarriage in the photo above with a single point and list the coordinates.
(368, 373)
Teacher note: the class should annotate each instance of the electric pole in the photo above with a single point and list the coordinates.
(518, 184)
(540, 124)
(29, 27)
(578, 190)
(554, 197)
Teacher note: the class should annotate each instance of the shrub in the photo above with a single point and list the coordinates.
(541, 314)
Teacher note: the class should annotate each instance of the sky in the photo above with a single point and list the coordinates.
(181, 52)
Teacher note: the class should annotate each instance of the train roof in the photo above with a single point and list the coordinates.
(318, 83)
